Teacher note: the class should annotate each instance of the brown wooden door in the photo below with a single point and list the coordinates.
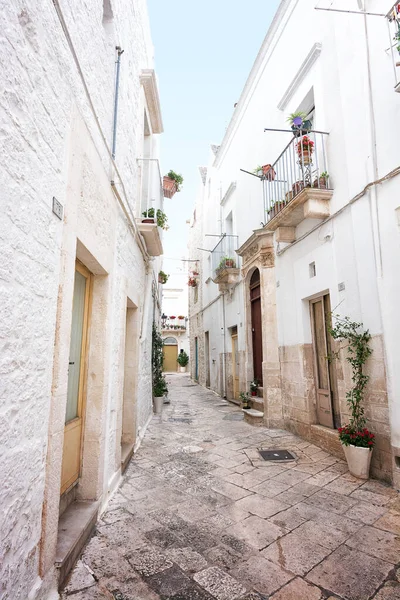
(235, 366)
(256, 325)
(322, 371)
(170, 364)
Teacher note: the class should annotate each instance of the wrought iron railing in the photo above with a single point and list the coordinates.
(303, 163)
(393, 20)
(151, 189)
(224, 254)
(176, 324)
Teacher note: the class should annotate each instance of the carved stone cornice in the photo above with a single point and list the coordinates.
(257, 251)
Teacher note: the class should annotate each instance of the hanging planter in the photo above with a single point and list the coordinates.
(171, 184)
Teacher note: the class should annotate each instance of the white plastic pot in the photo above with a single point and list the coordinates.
(158, 404)
(358, 460)
(182, 369)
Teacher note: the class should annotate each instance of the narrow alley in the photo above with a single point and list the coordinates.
(201, 516)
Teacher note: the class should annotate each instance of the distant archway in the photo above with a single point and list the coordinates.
(256, 325)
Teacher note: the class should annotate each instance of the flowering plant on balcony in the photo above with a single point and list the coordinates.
(181, 317)
(305, 144)
(172, 317)
(192, 282)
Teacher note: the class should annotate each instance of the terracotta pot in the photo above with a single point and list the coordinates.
(272, 212)
(254, 393)
(268, 172)
(358, 460)
(169, 187)
(158, 404)
(305, 156)
(229, 264)
(297, 187)
(148, 221)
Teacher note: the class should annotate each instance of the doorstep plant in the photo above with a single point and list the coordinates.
(254, 386)
(183, 359)
(358, 351)
(245, 399)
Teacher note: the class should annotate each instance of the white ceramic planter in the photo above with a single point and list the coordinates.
(358, 460)
(182, 369)
(166, 399)
(158, 404)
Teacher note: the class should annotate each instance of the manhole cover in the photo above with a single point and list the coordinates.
(233, 417)
(277, 455)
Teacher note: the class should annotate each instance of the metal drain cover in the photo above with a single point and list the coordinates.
(278, 455)
(233, 417)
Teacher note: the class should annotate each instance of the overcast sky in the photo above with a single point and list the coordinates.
(204, 52)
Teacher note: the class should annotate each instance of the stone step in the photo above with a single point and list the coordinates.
(257, 404)
(260, 392)
(253, 417)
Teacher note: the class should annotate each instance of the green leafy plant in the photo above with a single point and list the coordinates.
(245, 398)
(160, 217)
(324, 174)
(183, 359)
(177, 178)
(358, 351)
(295, 115)
(257, 169)
(254, 385)
(159, 389)
(227, 263)
(163, 277)
(157, 359)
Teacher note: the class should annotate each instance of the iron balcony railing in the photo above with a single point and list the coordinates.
(302, 164)
(151, 189)
(224, 254)
(393, 20)
(173, 324)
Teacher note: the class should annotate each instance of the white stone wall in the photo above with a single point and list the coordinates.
(343, 59)
(51, 145)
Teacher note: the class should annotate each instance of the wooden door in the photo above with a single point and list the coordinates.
(321, 361)
(196, 358)
(74, 416)
(256, 325)
(235, 366)
(170, 364)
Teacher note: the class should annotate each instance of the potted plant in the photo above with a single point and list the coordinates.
(322, 181)
(192, 282)
(297, 187)
(226, 263)
(299, 123)
(151, 215)
(181, 317)
(172, 183)
(305, 147)
(158, 396)
(162, 277)
(254, 387)
(172, 317)
(245, 400)
(183, 360)
(355, 438)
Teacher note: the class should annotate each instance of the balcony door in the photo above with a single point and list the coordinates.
(76, 396)
(328, 412)
(256, 325)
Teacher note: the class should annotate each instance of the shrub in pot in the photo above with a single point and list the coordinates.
(152, 216)
(172, 183)
(183, 360)
(322, 181)
(245, 400)
(158, 395)
(299, 123)
(254, 387)
(355, 438)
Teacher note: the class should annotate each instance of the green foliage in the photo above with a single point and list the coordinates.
(230, 265)
(183, 359)
(159, 389)
(160, 216)
(245, 398)
(163, 277)
(177, 178)
(254, 385)
(296, 114)
(358, 352)
(157, 363)
(325, 175)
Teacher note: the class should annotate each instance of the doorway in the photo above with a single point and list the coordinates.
(328, 410)
(170, 355)
(256, 325)
(235, 363)
(129, 407)
(76, 391)
(207, 353)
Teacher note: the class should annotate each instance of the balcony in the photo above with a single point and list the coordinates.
(175, 324)
(152, 218)
(297, 186)
(225, 262)
(393, 18)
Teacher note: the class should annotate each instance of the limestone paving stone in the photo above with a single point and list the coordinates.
(231, 491)
(148, 561)
(262, 575)
(366, 513)
(378, 543)
(350, 574)
(389, 522)
(168, 582)
(223, 556)
(295, 553)
(390, 591)
(298, 589)
(80, 579)
(192, 592)
(260, 506)
(330, 501)
(371, 497)
(219, 584)
(256, 532)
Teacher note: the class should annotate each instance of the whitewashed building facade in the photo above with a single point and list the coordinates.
(299, 246)
(78, 275)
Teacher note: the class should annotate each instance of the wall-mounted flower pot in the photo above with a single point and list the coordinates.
(358, 460)
(169, 187)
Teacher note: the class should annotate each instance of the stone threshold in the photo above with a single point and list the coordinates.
(75, 527)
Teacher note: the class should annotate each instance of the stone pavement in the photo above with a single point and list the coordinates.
(199, 516)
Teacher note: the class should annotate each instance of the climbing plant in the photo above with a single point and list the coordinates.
(358, 351)
(157, 360)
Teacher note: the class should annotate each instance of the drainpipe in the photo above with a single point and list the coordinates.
(118, 63)
(224, 347)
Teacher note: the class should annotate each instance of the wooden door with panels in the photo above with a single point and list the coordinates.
(328, 413)
(256, 325)
(77, 370)
(170, 355)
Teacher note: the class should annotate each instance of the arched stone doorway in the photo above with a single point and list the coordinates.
(256, 325)
(170, 352)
